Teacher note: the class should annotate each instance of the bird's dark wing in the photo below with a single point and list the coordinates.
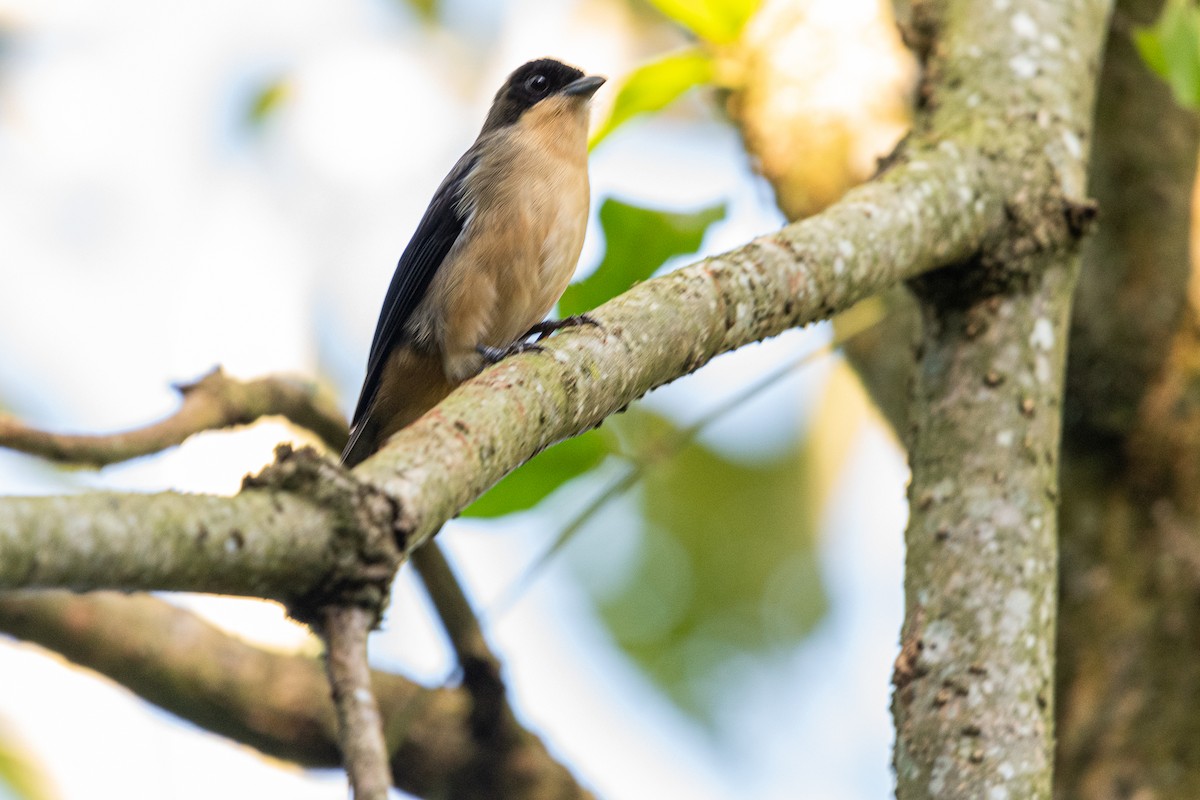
(437, 232)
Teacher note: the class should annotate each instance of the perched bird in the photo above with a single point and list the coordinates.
(490, 258)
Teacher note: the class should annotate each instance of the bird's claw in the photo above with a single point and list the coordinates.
(493, 355)
(547, 327)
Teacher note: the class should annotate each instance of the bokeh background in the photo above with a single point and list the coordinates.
(230, 183)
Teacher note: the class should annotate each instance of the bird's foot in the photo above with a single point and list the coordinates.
(493, 355)
(547, 327)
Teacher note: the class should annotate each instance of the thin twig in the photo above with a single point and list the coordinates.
(360, 727)
(213, 402)
(492, 718)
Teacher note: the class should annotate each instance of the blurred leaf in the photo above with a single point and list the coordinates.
(427, 9)
(718, 21)
(637, 241)
(266, 102)
(727, 569)
(19, 773)
(1171, 47)
(654, 86)
(530, 483)
(827, 443)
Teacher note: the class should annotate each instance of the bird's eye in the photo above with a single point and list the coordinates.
(537, 84)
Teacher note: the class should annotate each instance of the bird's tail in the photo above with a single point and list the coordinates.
(364, 438)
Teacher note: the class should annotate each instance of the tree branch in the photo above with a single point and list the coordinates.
(492, 718)
(302, 533)
(974, 679)
(360, 727)
(1133, 292)
(215, 401)
(1131, 473)
(912, 220)
(279, 704)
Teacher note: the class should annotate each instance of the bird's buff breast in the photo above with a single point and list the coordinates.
(524, 238)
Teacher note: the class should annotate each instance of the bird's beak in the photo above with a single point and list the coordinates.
(583, 87)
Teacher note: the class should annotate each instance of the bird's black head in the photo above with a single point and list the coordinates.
(533, 82)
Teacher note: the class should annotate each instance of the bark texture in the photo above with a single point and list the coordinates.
(975, 677)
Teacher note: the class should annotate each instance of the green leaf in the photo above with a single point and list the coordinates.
(266, 102)
(654, 86)
(637, 242)
(19, 773)
(530, 483)
(727, 570)
(718, 21)
(427, 9)
(1171, 48)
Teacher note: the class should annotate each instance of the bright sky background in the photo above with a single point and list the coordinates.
(147, 234)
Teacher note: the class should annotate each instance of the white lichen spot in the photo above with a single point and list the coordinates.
(839, 265)
(1005, 770)
(1017, 614)
(363, 696)
(1051, 42)
(1004, 438)
(1023, 66)
(1036, 523)
(972, 100)
(1072, 143)
(1002, 5)
(1023, 25)
(938, 637)
(1041, 369)
(997, 793)
(1042, 336)
(943, 767)
(964, 193)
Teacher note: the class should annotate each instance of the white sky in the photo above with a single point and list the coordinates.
(145, 236)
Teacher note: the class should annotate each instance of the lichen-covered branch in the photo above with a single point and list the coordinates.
(936, 207)
(975, 676)
(259, 543)
(215, 401)
(912, 220)
(301, 533)
(276, 703)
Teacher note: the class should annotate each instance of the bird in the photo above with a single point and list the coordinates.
(491, 256)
